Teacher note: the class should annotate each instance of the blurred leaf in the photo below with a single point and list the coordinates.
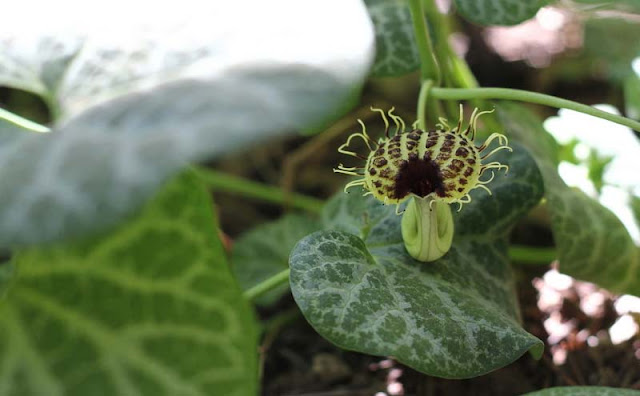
(592, 243)
(610, 44)
(621, 5)
(631, 89)
(149, 309)
(566, 152)
(584, 391)
(499, 12)
(456, 317)
(138, 105)
(597, 164)
(264, 251)
(635, 208)
(396, 49)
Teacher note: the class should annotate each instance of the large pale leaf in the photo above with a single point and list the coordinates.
(585, 391)
(264, 251)
(150, 309)
(499, 12)
(188, 81)
(456, 317)
(396, 50)
(591, 241)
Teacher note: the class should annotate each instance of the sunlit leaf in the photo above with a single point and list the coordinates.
(183, 83)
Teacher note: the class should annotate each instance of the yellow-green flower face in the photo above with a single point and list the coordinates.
(443, 164)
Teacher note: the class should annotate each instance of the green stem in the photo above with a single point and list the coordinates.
(423, 100)
(531, 97)
(220, 181)
(267, 285)
(428, 65)
(22, 122)
(532, 255)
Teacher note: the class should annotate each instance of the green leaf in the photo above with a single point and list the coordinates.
(499, 12)
(592, 243)
(396, 50)
(135, 107)
(631, 89)
(456, 317)
(264, 252)
(610, 47)
(635, 208)
(151, 309)
(584, 391)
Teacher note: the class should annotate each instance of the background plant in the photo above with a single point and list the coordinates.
(146, 303)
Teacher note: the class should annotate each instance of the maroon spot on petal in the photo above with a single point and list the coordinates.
(456, 165)
(372, 171)
(379, 152)
(462, 152)
(448, 174)
(379, 162)
(471, 161)
(414, 135)
(462, 181)
(468, 172)
(447, 144)
(460, 189)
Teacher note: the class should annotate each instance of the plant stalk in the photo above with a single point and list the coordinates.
(220, 181)
(531, 97)
(429, 68)
(22, 122)
(267, 285)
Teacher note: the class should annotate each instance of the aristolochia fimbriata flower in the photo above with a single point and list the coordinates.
(437, 167)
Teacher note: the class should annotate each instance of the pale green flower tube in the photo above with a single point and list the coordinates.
(427, 229)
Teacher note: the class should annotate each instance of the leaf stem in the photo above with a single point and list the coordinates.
(267, 285)
(428, 65)
(422, 103)
(22, 122)
(532, 255)
(221, 181)
(531, 97)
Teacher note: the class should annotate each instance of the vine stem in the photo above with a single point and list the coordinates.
(531, 97)
(267, 285)
(22, 122)
(422, 103)
(428, 64)
(221, 181)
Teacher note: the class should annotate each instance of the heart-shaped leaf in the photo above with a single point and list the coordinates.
(456, 317)
(147, 310)
(396, 49)
(584, 391)
(591, 241)
(499, 12)
(184, 83)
